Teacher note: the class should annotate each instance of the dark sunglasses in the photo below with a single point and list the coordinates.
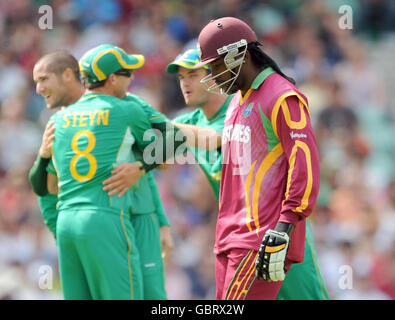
(124, 72)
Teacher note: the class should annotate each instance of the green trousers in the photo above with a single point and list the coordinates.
(98, 258)
(147, 235)
(304, 280)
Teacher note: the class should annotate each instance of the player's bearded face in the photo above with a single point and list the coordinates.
(223, 77)
(51, 87)
(193, 91)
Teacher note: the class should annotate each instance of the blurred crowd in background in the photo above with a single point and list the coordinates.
(347, 75)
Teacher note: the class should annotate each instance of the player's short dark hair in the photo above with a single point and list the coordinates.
(91, 85)
(94, 85)
(58, 61)
(261, 59)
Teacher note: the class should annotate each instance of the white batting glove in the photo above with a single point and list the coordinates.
(271, 257)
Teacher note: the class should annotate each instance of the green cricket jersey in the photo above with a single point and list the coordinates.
(94, 135)
(48, 210)
(125, 124)
(154, 116)
(209, 161)
(145, 205)
(145, 198)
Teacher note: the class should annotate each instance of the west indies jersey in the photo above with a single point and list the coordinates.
(270, 166)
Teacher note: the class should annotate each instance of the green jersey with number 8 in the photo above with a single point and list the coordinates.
(93, 136)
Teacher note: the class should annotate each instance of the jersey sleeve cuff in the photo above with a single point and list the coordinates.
(290, 217)
(164, 222)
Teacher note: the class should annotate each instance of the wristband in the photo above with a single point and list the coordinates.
(38, 176)
(141, 167)
(42, 161)
(284, 227)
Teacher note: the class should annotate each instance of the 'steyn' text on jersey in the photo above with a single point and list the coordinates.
(86, 118)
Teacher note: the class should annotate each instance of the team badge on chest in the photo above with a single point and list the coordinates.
(248, 110)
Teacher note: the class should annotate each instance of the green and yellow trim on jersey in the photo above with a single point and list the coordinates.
(88, 96)
(247, 197)
(309, 185)
(256, 84)
(243, 278)
(266, 164)
(296, 125)
(275, 151)
(129, 245)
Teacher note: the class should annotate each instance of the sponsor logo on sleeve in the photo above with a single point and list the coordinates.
(297, 135)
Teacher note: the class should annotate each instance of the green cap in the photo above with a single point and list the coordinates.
(98, 63)
(187, 60)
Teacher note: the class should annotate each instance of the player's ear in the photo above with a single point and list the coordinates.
(112, 78)
(68, 75)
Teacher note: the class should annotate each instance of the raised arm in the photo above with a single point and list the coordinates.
(198, 137)
(38, 173)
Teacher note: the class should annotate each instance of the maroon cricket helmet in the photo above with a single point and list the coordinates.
(220, 33)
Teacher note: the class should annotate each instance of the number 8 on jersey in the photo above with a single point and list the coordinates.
(83, 153)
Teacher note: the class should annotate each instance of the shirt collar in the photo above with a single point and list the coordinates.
(261, 77)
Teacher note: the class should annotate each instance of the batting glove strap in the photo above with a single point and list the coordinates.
(271, 257)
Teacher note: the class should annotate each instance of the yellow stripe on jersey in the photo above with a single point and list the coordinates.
(305, 200)
(279, 103)
(244, 99)
(266, 164)
(154, 118)
(129, 245)
(237, 283)
(294, 124)
(250, 273)
(247, 193)
(89, 97)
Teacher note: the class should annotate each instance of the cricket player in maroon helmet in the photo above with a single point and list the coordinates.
(270, 164)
